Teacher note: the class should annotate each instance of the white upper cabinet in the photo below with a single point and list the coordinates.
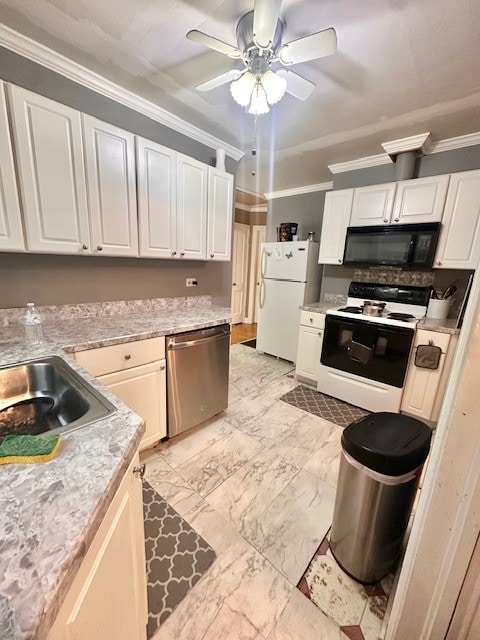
(110, 163)
(48, 143)
(220, 214)
(192, 184)
(373, 205)
(157, 199)
(336, 218)
(11, 234)
(459, 244)
(420, 200)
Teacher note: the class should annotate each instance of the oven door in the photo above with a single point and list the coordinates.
(367, 349)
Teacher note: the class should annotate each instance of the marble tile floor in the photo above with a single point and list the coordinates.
(258, 484)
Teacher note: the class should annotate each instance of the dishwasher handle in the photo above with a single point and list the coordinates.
(197, 341)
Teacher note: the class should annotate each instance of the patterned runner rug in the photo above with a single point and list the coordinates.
(177, 557)
(326, 407)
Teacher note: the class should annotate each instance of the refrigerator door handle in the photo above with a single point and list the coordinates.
(261, 294)
(263, 261)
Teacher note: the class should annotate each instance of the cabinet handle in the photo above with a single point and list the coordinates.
(212, 255)
(234, 284)
(385, 219)
(397, 219)
(162, 367)
(174, 253)
(84, 247)
(128, 356)
(99, 248)
(320, 333)
(340, 260)
(311, 319)
(182, 253)
(439, 262)
(140, 470)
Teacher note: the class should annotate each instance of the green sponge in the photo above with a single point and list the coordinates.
(28, 449)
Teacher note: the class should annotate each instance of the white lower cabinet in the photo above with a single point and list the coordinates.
(136, 373)
(108, 597)
(310, 340)
(423, 391)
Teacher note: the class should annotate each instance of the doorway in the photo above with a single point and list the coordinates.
(241, 238)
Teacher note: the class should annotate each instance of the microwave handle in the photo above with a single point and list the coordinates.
(411, 251)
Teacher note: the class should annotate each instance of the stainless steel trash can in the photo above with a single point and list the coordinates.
(382, 459)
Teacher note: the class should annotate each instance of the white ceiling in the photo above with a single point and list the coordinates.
(402, 67)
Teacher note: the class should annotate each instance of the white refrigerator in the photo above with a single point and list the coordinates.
(291, 277)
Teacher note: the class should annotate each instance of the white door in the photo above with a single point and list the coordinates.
(420, 200)
(241, 236)
(143, 389)
(336, 218)
(11, 234)
(459, 244)
(220, 214)
(157, 199)
(279, 318)
(110, 162)
(255, 273)
(285, 260)
(373, 205)
(192, 184)
(48, 142)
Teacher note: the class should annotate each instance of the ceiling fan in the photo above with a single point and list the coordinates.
(259, 46)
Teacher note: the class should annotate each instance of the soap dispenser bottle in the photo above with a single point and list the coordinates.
(32, 321)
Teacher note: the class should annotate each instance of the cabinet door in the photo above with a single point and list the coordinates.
(420, 200)
(220, 214)
(422, 385)
(459, 244)
(143, 389)
(108, 597)
(308, 353)
(11, 233)
(110, 162)
(192, 181)
(157, 199)
(373, 205)
(48, 143)
(336, 218)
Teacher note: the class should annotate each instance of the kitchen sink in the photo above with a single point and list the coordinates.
(47, 396)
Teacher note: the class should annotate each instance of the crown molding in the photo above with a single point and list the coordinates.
(54, 61)
(361, 163)
(259, 208)
(412, 143)
(309, 188)
(449, 144)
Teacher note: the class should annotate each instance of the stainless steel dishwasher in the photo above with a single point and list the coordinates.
(197, 376)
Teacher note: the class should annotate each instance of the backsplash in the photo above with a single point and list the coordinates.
(395, 276)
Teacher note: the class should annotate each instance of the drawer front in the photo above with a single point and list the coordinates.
(312, 319)
(118, 357)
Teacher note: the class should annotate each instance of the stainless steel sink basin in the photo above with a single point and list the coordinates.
(47, 396)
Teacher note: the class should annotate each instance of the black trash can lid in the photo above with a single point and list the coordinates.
(389, 443)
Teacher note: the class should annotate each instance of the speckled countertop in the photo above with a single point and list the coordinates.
(316, 307)
(51, 511)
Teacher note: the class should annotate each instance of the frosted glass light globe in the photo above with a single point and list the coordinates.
(258, 104)
(274, 86)
(242, 88)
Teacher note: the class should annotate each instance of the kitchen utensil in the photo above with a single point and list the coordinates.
(449, 291)
(373, 308)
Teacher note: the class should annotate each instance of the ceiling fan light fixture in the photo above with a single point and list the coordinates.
(274, 85)
(242, 89)
(258, 104)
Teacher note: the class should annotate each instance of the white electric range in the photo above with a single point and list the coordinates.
(365, 358)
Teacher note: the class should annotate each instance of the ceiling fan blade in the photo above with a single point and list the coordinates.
(297, 86)
(265, 18)
(318, 45)
(213, 43)
(223, 78)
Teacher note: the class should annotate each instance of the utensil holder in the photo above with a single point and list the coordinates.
(438, 309)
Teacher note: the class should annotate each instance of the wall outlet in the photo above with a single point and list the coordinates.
(191, 282)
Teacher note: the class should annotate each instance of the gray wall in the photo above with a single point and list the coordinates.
(337, 279)
(66, 279)
(306, 209)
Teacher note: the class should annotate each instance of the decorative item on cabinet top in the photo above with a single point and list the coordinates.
(88, 198)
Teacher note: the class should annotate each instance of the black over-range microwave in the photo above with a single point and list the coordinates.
(410, 246)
